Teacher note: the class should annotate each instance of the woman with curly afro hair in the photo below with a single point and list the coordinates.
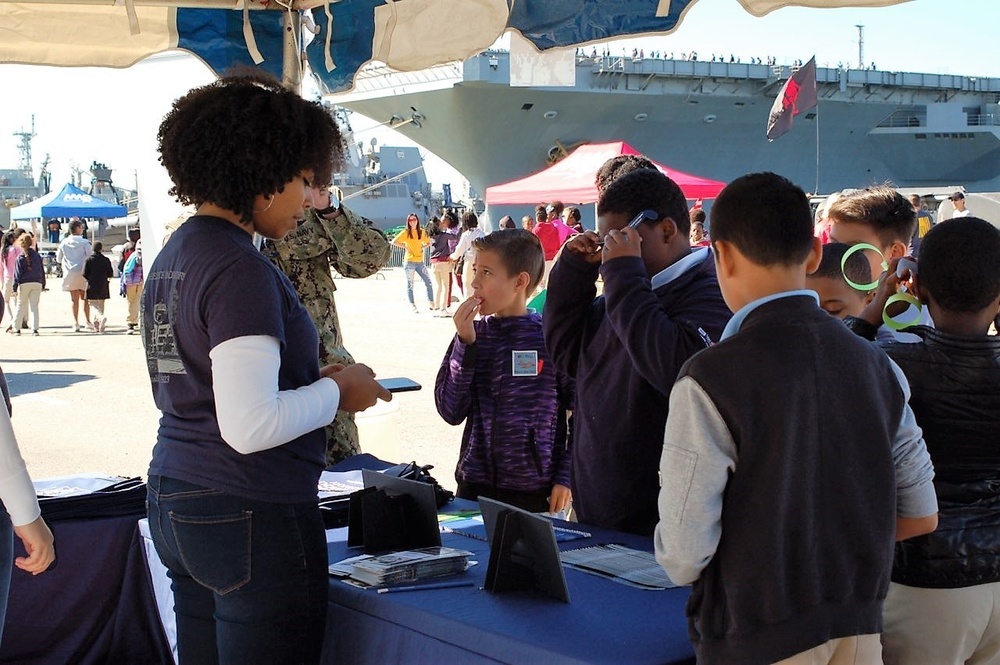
(233, 365)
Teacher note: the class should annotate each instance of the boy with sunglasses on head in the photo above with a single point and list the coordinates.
(661, 305)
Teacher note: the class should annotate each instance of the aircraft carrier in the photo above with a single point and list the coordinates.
(706, 118)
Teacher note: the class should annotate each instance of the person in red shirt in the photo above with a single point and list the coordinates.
(549, 236)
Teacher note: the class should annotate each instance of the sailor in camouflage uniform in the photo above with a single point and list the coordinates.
(330, 236)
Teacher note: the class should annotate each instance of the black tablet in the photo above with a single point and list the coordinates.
(399, 384)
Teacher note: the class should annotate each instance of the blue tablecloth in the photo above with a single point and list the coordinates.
(606, 622)
(95, 606)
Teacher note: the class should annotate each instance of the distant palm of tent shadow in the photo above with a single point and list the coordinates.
(27, 383)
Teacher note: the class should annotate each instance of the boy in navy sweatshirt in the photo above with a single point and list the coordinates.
(791, 460)
(497, 377)
(661, 305)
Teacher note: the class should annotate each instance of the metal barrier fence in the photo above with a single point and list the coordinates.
(397, 258)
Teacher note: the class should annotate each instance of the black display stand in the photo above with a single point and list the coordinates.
(523, 552)
(392, 514)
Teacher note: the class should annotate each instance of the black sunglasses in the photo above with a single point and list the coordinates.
(650, 215)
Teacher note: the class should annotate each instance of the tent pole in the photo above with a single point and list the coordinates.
(291, 63)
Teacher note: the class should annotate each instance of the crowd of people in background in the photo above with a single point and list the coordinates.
(86, 275)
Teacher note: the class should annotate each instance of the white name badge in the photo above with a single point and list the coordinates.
(525, 363)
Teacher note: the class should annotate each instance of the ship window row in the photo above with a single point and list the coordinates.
(946, 135)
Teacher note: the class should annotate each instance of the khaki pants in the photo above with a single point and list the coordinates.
(442, 283)
(28, 295)
(854, 650)
(942, 626)
(133, 293)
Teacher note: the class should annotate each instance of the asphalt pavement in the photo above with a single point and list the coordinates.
(82, 400)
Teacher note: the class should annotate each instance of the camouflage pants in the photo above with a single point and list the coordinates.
(342, 438)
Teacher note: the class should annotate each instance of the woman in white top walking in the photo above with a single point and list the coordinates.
(470, 233)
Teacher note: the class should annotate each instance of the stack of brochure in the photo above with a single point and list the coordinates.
(410, 565)
(621, 564)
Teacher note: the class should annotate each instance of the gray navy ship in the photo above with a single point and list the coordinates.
(706, 118)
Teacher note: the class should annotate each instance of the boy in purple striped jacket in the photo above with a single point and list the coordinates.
(498, 378)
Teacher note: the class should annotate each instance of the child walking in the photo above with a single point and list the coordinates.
(28, 284)
(498, 378)
(97, 271)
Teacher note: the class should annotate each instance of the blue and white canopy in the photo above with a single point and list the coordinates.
(69, 202)
(404, 34)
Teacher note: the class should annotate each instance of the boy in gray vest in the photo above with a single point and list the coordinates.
(791, 462)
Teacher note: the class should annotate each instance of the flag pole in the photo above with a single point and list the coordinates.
(817, 148)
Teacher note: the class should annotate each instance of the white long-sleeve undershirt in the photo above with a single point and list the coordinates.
(253, 414)
(16, 490)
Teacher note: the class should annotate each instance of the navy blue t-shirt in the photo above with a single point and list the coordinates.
(207, 286)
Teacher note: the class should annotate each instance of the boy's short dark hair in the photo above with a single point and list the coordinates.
(618, 166)
(880, 207)
(857, 269)
(573, 213)
(646, 189)
(766, 217)
(698, 215)
(75, 226)
(469, 220)
(518, 250)
(958, 264)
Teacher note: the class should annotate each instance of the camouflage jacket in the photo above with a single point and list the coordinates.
(352, 246)
(348, 244)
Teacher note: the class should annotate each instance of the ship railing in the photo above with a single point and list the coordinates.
(984, 120)
(904, 118)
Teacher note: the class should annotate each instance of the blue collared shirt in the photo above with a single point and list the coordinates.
(675, 270)
(736, 322)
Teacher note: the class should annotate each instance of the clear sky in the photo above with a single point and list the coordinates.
(87, 114)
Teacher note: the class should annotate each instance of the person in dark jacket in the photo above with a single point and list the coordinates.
(29, 282)
(791, 460)
(444, 240)
(661, 305)
(497, 377)
(97, 271)
(942, 605)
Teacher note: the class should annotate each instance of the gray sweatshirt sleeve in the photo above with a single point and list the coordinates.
(915, 496)
(698, 456)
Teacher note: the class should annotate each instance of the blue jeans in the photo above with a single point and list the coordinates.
(249, 577)
(420, 269)
(6, 561)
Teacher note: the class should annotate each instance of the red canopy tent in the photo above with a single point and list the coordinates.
(572, 179)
